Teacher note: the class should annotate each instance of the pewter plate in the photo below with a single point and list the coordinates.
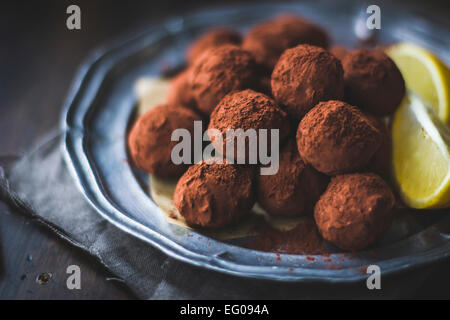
(102, 104)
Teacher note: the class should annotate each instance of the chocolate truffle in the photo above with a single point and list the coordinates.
(219, 71)
(267, 41)
(304, 76)
(381, 160)
(294, 189)
(214, 195)
(373, 82)
(150, 142)
(339, 52)
(335, 138)
(354, 210)
(245, 110)
(180, 91)
(211, 39)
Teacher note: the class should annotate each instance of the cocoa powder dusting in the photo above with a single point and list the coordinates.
(268, 40)
(354, 210)
(335, 138)
(211, 194)
(304, 76)
(373, 82)
(150, 141)
(220, 70)
(245, 110)
(212, 39)
(303, 239)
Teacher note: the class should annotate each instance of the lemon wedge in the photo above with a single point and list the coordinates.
(425, 75)
(421, 155)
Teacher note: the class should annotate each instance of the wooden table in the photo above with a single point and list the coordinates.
(38, 59)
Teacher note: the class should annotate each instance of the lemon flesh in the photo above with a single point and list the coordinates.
(421, 155)
(425, 75)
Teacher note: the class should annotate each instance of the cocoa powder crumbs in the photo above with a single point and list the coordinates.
(303, 239)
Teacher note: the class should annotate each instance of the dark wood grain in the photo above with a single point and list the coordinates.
(28, 250)
(38, 59)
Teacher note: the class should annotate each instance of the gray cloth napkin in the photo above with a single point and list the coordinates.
(40, 186)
